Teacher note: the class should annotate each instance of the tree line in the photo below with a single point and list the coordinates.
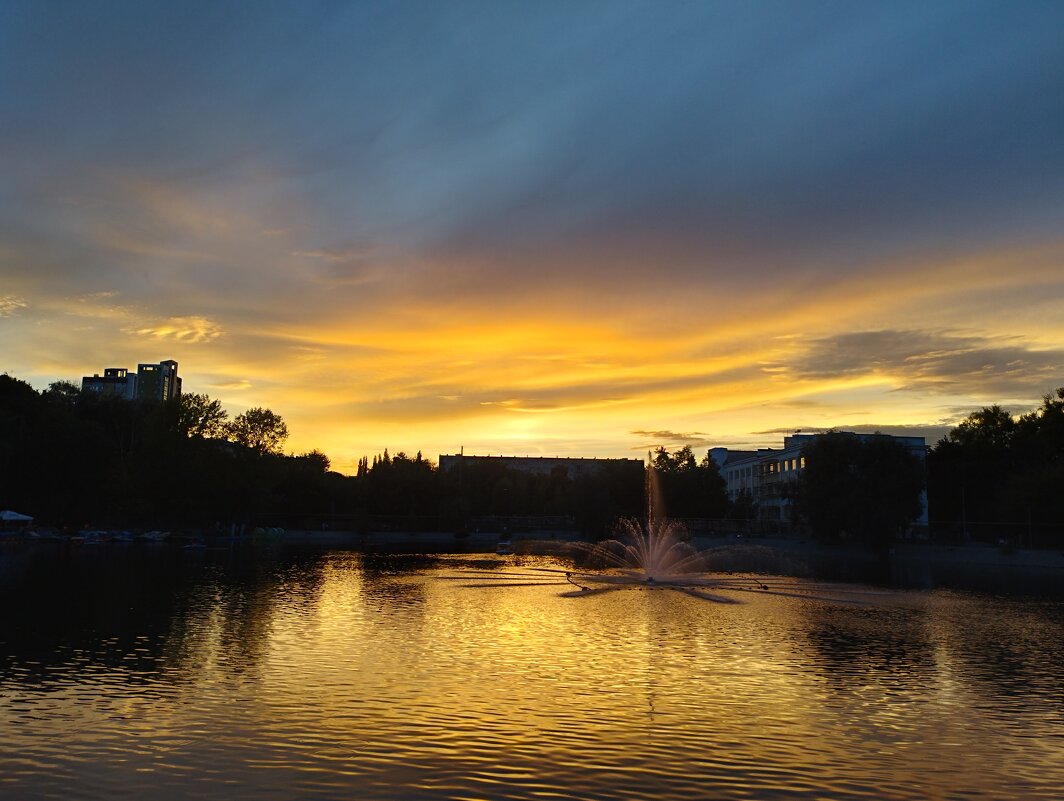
(997, 476)
(74, 459)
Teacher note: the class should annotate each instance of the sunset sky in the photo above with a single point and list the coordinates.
(556, 228)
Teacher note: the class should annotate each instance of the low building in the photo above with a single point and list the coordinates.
(765, 473)
(116, 382)
(539, 465)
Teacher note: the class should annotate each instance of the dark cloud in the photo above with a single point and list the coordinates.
(675, 437)
(934, 361)
(759, 134)
(931, 432)
(810, 134)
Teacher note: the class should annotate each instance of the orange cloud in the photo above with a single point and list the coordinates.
(182, 329)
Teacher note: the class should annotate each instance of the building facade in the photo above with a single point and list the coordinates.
(152, 382)
(539, 465)
(158, 382)
(116, 382)
(766, 472)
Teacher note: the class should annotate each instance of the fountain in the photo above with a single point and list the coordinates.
(656, 554)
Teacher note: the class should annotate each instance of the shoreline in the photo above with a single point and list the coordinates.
(904, 555)
(972, 554)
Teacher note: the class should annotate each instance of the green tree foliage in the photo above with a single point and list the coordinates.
(864, 488)
(258, 429)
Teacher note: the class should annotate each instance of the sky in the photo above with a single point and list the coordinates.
(543, 228)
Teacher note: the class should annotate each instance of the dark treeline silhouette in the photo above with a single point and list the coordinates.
(74, 460)
(865, 488)
(688, 488)
(997, 477)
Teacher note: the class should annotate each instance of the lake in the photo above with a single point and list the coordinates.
(131, 671)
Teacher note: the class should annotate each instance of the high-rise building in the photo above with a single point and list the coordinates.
(158, 382)
(153, 382)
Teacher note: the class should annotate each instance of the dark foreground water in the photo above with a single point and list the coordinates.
(154, 672)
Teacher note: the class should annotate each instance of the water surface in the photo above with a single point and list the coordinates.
(144, 671)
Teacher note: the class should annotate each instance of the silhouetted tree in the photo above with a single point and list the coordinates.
(990, 430)
(65, 393)
(259, 429)
(968, 472)
(199, 416)
(865, 487)
(688, 488)
(744, 507)
(317, 461)
(997, 476)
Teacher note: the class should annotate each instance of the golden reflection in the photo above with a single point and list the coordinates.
(316, 673)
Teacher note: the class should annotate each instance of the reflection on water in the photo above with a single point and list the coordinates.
(155, 672)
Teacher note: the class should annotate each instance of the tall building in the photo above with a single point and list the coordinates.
(153, 382)
(158, 382)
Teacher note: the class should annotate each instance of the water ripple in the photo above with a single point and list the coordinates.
(332, 675)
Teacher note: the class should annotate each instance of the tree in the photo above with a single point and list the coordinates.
(864, 487)
(744, 507)
(1031, 496)
(199, 416)
(1039, 435)
(259, 429)
(991, 428)
(63, 393)
(686, 488)
(969, 471)
(317, 461)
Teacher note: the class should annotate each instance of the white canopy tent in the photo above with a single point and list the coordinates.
(11, 519)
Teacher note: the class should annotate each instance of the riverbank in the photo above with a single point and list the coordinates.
(917, 565)
(974, 554)
(920, 565)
